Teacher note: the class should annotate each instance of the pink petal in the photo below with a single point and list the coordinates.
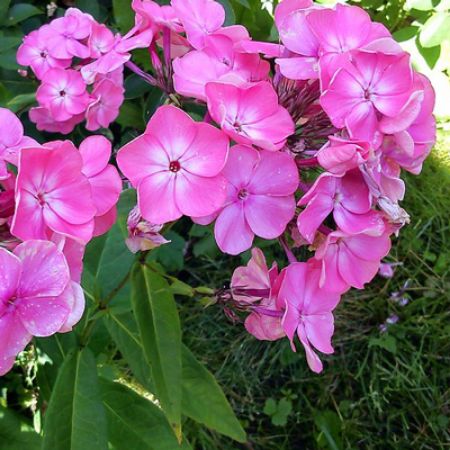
(233, 235)
(10, 270)
(319, 330)
(370, 222)
(314, 362)
(313, 215)
(106, 188)
(265, 328)
(102, 224)
(356, 272)
(77, 308)
(95, 152)
(241, 163)
(299, 67)
(369, 248)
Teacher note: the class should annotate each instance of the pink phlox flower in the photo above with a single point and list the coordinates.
(37, 297)
(143, 235)
(101, 40)
(176, 167)
(195, 69)
(347, 197)
(351, 260)
(44, 121)
(308, 311)
(34, 52)
(372, 86)
(260, 198)
(63, 93)
(53, 194)
(104, 109)
(151, 15)
(250, 114)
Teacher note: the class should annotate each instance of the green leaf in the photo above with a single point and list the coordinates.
(15, 433)
(386, 342)
(155, 99)
(131, 115)
(4, 6)
(123, 15)
(21, 101)
(171, 255)
(136, 87)
(405, 34)
(421, 5)
(20, 12)
(330, 425)
(430, 54)
(8, 60)
(230, 16)
(244, 3)
(435, 30)
(6, 43)
(107, 259)
(204, 400)
(135, 422)
(159, 327)
(75, 418)
(89, 6)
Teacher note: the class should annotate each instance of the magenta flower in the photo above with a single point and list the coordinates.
(34, 52)
(44, 121)
(104, 109)
(199, 18)
(176, 167)
(63, 93)
(104, 179)
(12, 140)
(372, 86)
(52, 194)
(260, 197)
(101, 40)
(250, 114)
(351, 260)
(308, 311)
(349, 199)
(37, 297)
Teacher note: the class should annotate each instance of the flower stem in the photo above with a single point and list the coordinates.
(138, 71)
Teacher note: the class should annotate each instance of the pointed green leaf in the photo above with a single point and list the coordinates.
(135, 422)
(75, 419)
(159, 327)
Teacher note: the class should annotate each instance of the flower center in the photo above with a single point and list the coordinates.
(243, 194)
(62, 93)
(43, 54)
(174, 166)
(40, 197)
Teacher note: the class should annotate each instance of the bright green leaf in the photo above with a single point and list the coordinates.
(75, 418)
(436, 30)
(159, 327)
(421, 5)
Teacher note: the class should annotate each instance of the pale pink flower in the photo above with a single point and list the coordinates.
(108, 63)
(308, 311)
(151, 15)
(250, 114)
(44, 121)
(37, 297)
(341, 155)
(104, 179)
(101, 40)
(176, 167)
(351, 260)
(34, 52)
(264, 322)
(63, 93)
(104, 109)
(52, 194)
(12, 140)
(260, 197)
(143, 235)
(217, 59)
(347, 197)
(372, 86)
(199, 18)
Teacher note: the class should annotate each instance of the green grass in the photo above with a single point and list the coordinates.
(379, 390)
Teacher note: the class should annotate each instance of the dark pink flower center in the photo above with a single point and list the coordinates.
(43, 54)
(174, 166)
(243, 194)
(40, 197)
(62, 93)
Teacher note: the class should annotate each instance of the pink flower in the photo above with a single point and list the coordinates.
(11, 140)
(260, 197)
(52, 194)
(143, 235)
(176, 167)
(199, 18)
(264, 322)
(151, 15)
(34, 52)
(101, 40)
(108, 97)
(372, 86)
(37, 297)
(308, 311)
(44, 121)
(340, 155)
(217, 59)
(104, 179)
(63, 92)
(347, 197)
(250, 114)
(351, 260)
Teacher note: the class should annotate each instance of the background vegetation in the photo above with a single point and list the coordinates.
(387, 386)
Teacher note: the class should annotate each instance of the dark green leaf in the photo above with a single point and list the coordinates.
(244, 3)
(230, 17)
(15, 433)
(20, 12)
(155, 99)
(89, 6)
(131, 115)
(123, 14)
(21, 101)
(6, 43)
(134, 422)
(136, 87)
(159, 327)
(8, 60)
(329, 425)
(75, 419)
(4, 6)
(204, 400)
(171, 255)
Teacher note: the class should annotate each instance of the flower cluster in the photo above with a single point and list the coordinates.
(54, 198)
(302, 141)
